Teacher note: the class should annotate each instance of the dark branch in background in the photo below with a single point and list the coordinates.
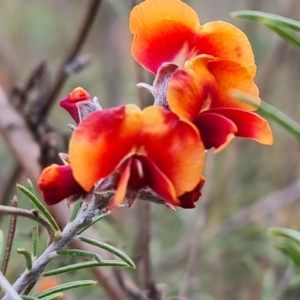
(83, 219)
(63, 73)
(31, 214)
(10, 183)
(10, 237)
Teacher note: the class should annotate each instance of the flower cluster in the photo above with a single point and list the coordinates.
(158, 153)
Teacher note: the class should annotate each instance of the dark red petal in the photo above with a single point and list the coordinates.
(250, 125)
(216, 130)
(69, 103)
(187, 199)
(158, 181)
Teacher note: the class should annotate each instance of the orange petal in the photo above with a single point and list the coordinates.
(122, 186)
(56, 183)
(215, 129)
(188, 89)
(174, 146)
(163, 32)
(231, 76)
(249, 125)
(227, 42)
(102, 141)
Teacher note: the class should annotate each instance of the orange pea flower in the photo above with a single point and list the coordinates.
(57, 183)
(150, 148)
(197, 68)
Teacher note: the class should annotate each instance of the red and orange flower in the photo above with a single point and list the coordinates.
(202, 65)
(150, 148)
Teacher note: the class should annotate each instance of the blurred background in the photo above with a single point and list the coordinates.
(219, 250)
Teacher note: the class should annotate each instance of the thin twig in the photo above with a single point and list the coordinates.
(10, 183)
(62, 75)
(7, 288)
(85, 217)
(31, 214)
(10, 236)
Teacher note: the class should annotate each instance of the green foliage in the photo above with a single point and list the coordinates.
(35, 224)
(45, 212)
(284, 27)
(94, 259)
(65, 286)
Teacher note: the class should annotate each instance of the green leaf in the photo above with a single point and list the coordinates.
(40, 207)
(75, 210)
(25, 297)
(80, 253)
(27, 256)
(285, 33)
(261, 17)
(291, 234)
(284, 27)
(291, 252)
(53, 296)
(35, 225)
(85, 265)
(110, 249)
(272, 113)
(66, 286)
(95, 220)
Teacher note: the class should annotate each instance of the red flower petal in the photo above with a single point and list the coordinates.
(189, 88)
(215, 129)
(174, 146)
(232, 76)
(163, 32)
(102, 141)
(69, 102)
(249, 125)
(158, 181)
(57, 183)
(225, 41)
(188, 199)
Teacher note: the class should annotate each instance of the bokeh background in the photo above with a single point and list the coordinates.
(219, 250)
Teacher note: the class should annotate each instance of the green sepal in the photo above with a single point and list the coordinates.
(110, 249)
(66, 286)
